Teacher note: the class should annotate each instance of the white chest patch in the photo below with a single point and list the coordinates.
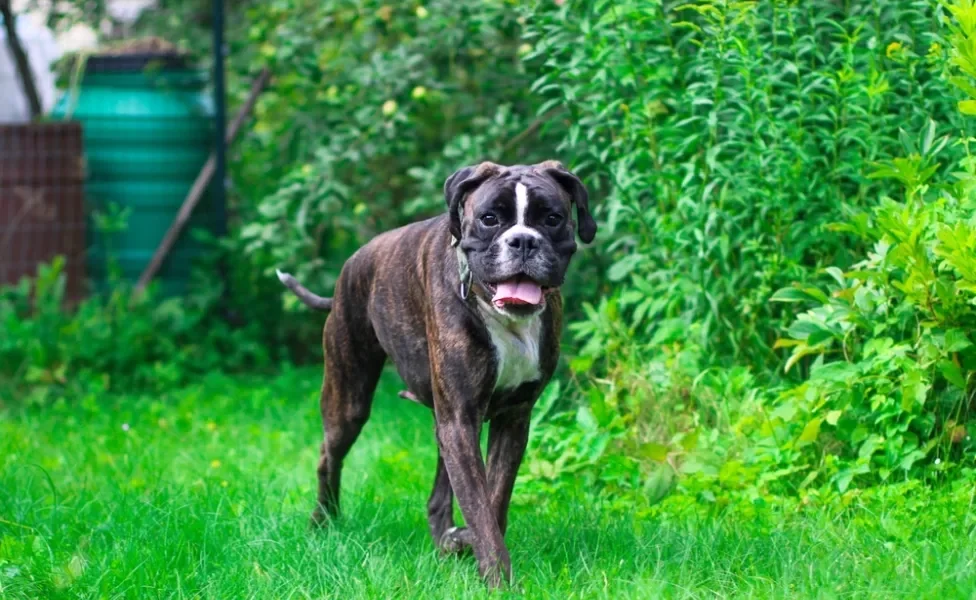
(516, 343)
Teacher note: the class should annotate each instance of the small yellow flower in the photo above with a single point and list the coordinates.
(215, 464)
(389, 107)
(421, 12)
(935, 48)
(524, 49)
(418, 92)
(211, 426)
(892, 49)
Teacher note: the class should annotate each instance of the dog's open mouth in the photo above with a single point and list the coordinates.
(517, 291)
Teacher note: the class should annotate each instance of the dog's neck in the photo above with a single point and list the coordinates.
(516, 341)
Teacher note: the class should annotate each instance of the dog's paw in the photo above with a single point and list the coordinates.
(456, 540)
(319, 519)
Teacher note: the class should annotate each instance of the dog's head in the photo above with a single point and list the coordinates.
(515, 225)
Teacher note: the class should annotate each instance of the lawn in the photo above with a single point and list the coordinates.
(205, 493)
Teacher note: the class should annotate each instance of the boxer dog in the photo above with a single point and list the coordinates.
(467, 307)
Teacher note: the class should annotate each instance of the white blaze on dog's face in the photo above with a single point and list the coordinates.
(512, 240)
(517, 230)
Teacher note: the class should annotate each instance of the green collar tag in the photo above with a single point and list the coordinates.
(464, 270)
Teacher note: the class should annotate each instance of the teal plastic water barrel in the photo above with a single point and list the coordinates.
(147, 127)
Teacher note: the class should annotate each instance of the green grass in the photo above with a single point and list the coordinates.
(206, 495)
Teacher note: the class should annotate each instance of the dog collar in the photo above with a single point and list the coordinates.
(464, 270)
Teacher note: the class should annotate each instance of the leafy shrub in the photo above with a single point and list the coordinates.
(890, 393)
(722, 137)
(892, 387)
(749, 145)
(114, 341)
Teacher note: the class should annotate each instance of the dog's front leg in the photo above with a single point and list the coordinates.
(457, 436)
(508, 435)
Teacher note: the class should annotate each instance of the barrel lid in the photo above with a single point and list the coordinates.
(136, 62)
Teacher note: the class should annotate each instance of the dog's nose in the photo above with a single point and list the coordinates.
(524, 244)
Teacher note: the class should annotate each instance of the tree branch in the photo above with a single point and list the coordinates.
(20, 58)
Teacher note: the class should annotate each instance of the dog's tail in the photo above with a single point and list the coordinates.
(309, 299)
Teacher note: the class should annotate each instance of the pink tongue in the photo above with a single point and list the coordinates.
(517, 291)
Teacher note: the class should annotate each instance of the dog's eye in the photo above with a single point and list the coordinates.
(554, 220)
(489, 220)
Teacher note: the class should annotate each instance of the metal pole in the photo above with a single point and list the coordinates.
(220, 121)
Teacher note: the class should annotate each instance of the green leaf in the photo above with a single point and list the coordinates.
(929, 137)
(837, 274)
(654, 451)
(810, 432)
(967, 107)
(799, 294)
(844, 480)
(668, 331)
(786, 343)
(837, 372)
(623, 267)
(914, 391)
(845, 476)
(798, 353)
(956, 340)
(869, 447)
(952, 373)
(690, 440)
(659, 483)
(586, 420)
(803, 329)
(581, 364)
(833, 416)
(785, 411)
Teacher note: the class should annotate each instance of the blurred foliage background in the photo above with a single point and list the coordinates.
(780, 302)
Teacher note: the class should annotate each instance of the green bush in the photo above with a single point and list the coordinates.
(722, 137)
(892, 389)
(117, 341)
(741, 147)
(890, 393)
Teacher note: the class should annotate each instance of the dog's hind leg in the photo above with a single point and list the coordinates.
(353, 363)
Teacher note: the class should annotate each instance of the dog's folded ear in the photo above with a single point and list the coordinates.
(577, 191)
(460, 184)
